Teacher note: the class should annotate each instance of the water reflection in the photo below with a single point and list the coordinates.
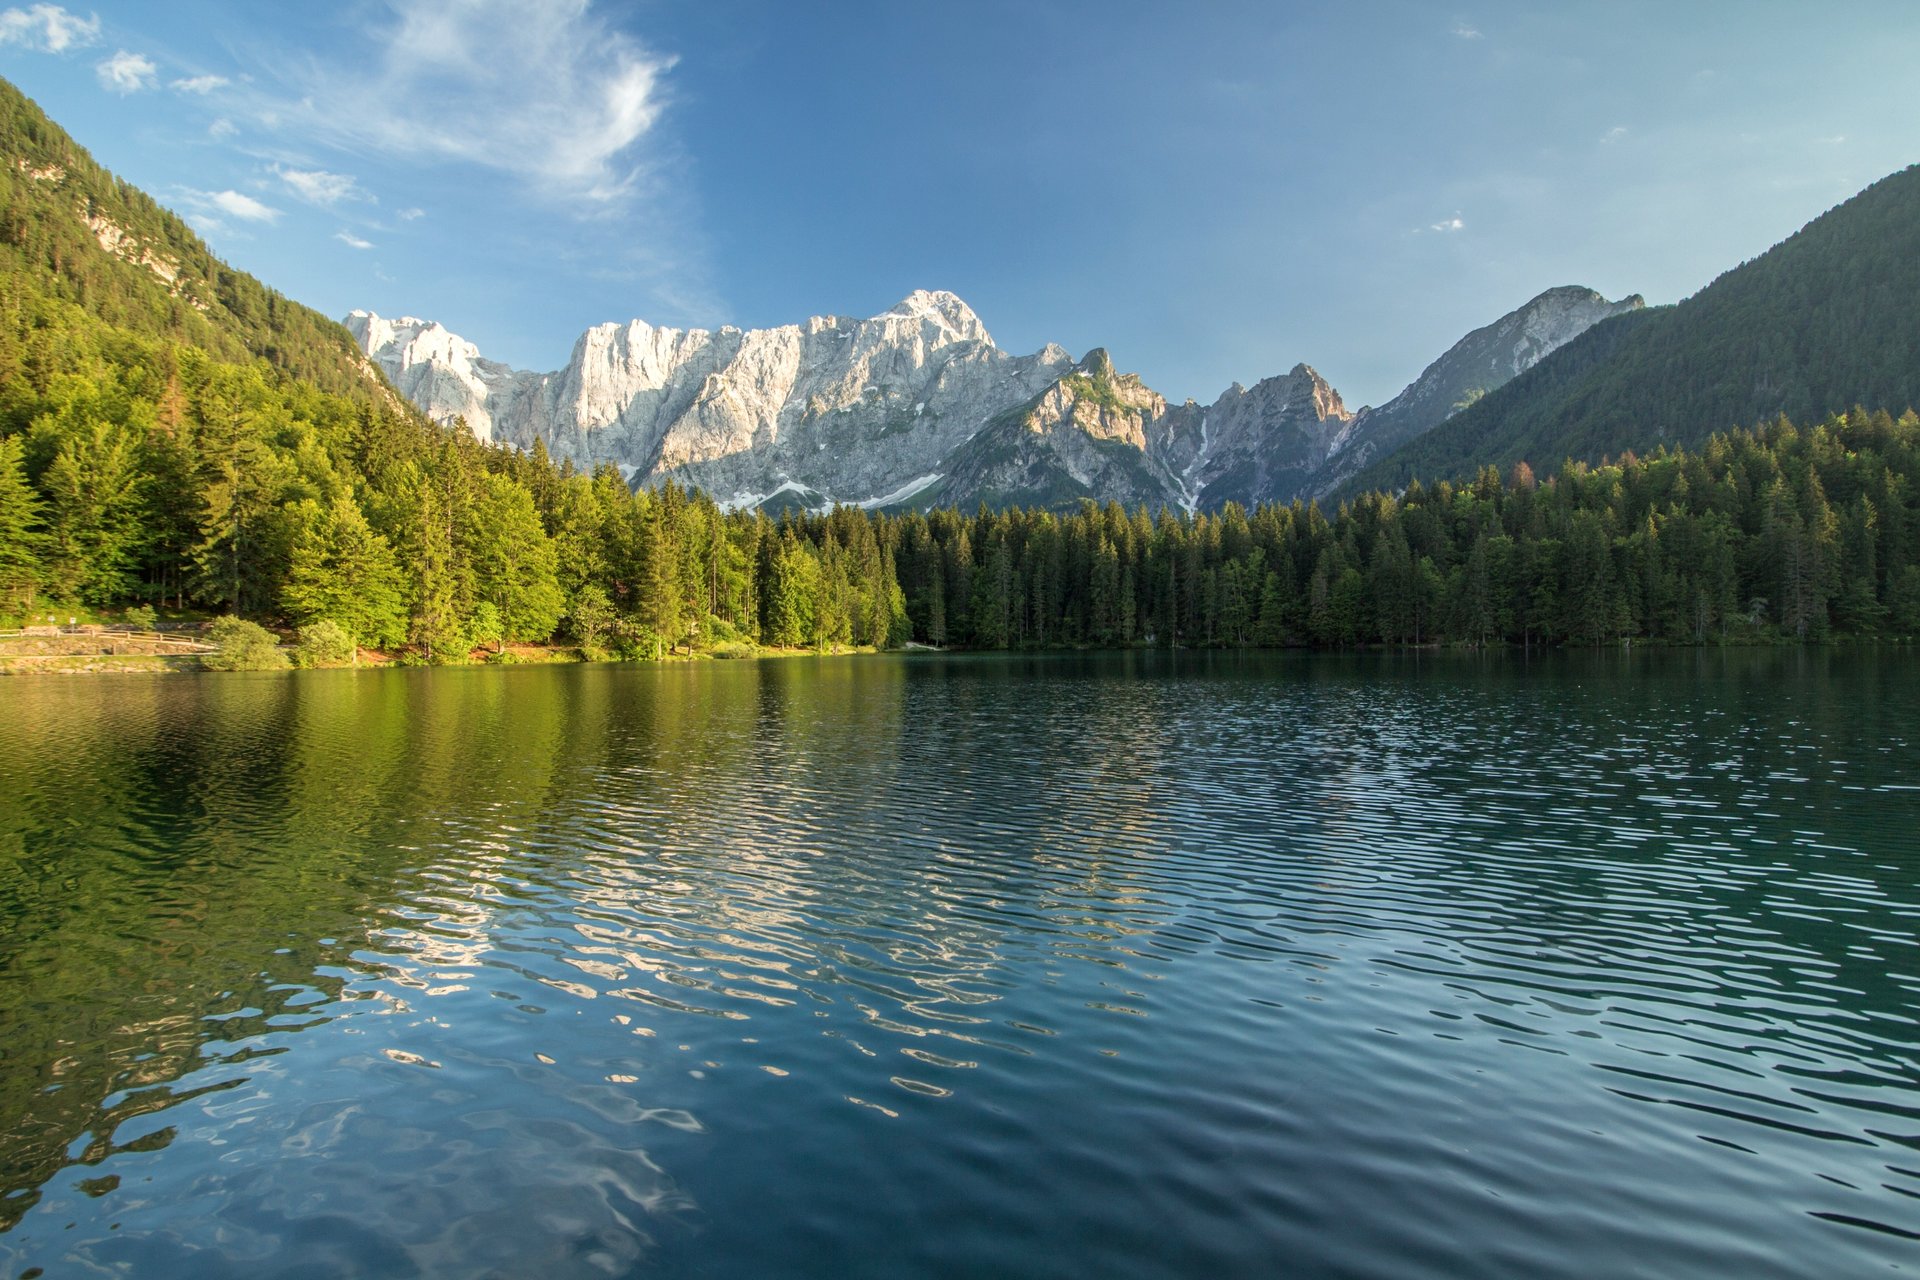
(721, 969)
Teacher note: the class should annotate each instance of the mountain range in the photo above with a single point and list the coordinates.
(173, 431)
(918, 407)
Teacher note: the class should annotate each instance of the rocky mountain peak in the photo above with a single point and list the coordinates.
(830, 409)
(414, 340)
(945, 311)
(1556, 316)
(1324, 403)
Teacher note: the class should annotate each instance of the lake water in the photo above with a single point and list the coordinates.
(1594, 965)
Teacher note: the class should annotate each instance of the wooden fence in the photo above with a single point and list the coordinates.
(110, 636)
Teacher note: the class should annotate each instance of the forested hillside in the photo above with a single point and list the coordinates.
(71, 232)
(1819, 323)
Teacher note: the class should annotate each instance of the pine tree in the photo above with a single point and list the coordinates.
(433, 575)
(345, 573)
(513, 561)
(94, 489)
(20, 535)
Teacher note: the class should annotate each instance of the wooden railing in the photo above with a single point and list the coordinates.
(109, 636)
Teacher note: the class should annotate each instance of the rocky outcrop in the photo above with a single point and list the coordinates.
(848, 410)
(1085, 437)
(1263, 444)
(439, 371)
(917, 406)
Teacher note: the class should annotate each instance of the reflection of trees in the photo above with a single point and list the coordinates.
(187, 865)
(760, 837)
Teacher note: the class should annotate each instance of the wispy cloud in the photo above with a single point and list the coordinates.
(565, 113)
(409, 215)
(1466, 31)
(1614, 134)
(1448, 224)
(222, 128)
(351, 240)
(215, 205)
(48, 28)
(128, 72)
(200, 84)
(319, 186)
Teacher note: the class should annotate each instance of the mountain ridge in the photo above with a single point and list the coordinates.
(1814, 325)
(862, 411)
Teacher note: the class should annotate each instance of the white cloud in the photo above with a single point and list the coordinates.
(48, 28)
(200, 84)
(211, 205)
(1614, 134)
(319, 186)
(409, 215)
(351, 240)
(127, 72)
(1466, 31)
(247, 208)
(564, 113)
(222, 128)
(1449, 224)
(1833, 140)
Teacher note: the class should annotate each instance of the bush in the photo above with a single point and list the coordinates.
(243, 646)
(720, 631)
(590, 617)
(140, 618)
(324, 644)
(484, 629)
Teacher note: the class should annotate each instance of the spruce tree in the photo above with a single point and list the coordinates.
(20, 535)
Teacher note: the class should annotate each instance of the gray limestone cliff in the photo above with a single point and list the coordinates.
(844, 410)
(917, 406)
(1087, 436)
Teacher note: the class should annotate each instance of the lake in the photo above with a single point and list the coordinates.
(1119, 965)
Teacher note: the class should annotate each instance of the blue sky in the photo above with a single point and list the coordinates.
(1212, 191)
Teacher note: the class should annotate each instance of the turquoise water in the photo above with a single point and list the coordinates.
(1598, 965)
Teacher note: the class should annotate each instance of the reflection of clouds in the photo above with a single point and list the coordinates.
(754, 930)
(711, 872)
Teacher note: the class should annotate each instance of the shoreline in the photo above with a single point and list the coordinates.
(158, 664)
(88, 659)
